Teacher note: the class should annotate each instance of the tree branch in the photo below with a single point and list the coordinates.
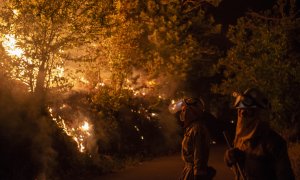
(257, 15)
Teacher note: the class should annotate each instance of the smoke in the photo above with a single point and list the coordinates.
(171, 130)
(72, 114)
(171, 90)
(164, 88)
(26, 150)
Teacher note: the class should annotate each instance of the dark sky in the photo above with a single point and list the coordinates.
(229, 10)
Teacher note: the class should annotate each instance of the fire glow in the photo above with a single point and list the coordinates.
(80, 132)
(10, 45)
(79, 129)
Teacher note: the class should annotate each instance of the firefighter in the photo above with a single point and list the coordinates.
(258, 151)
(196, 141)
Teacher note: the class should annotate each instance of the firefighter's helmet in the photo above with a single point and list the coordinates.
(191, 102)
(251, 98)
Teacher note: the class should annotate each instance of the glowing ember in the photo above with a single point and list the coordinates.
(60, 71)
(154, 114)
(101, 84)
(140, 88)
(85, 81)
(16, 12)
(80, 133)
(50, 111)
(63, 106)
(137, 129)
(151, 83)
(85, 126)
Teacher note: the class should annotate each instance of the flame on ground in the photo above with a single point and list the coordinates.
(80, 132)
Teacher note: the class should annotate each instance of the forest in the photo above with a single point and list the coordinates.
(85, 86)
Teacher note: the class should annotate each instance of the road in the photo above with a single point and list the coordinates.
(169, 168)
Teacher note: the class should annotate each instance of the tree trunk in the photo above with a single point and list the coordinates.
(40, 91)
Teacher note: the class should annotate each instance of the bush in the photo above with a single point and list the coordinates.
(33, 146)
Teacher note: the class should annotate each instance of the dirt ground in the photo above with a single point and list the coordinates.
(169, 168)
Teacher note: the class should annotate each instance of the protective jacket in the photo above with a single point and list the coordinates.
(264, 156)
(195, 151)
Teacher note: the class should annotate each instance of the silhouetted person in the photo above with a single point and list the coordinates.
(196, 141)
(258, 150)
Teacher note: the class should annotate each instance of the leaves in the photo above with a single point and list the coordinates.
(263, 56)
(44, 30)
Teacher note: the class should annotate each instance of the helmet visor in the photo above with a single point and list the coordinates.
(243, 101)
(175, 107)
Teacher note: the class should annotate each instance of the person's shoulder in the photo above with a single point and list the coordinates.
(275, 137)
(269, 134)
(274, 142)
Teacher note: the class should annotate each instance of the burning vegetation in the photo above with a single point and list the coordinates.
(98, 121)
(83, 83)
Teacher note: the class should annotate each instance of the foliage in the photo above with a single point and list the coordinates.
(265, 55)
(172, 44)
(125, 124)
(118, 37)
(151, 45)
(36, 148)
(46, 32)
(124, 51)
(155, 41)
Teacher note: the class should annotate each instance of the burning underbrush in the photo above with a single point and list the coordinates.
(32, 145)
(77, 136)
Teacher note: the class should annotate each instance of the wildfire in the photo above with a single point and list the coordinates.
(83, 80)
(9, 42)
(79, 132)
(85, 126)
(141, 88)
(60, 71)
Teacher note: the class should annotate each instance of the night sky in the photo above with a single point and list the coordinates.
(229, 11)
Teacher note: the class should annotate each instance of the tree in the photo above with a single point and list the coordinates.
(46, 33)
(38, 37)
(150, 46)
(265, 55)
(153, 44)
